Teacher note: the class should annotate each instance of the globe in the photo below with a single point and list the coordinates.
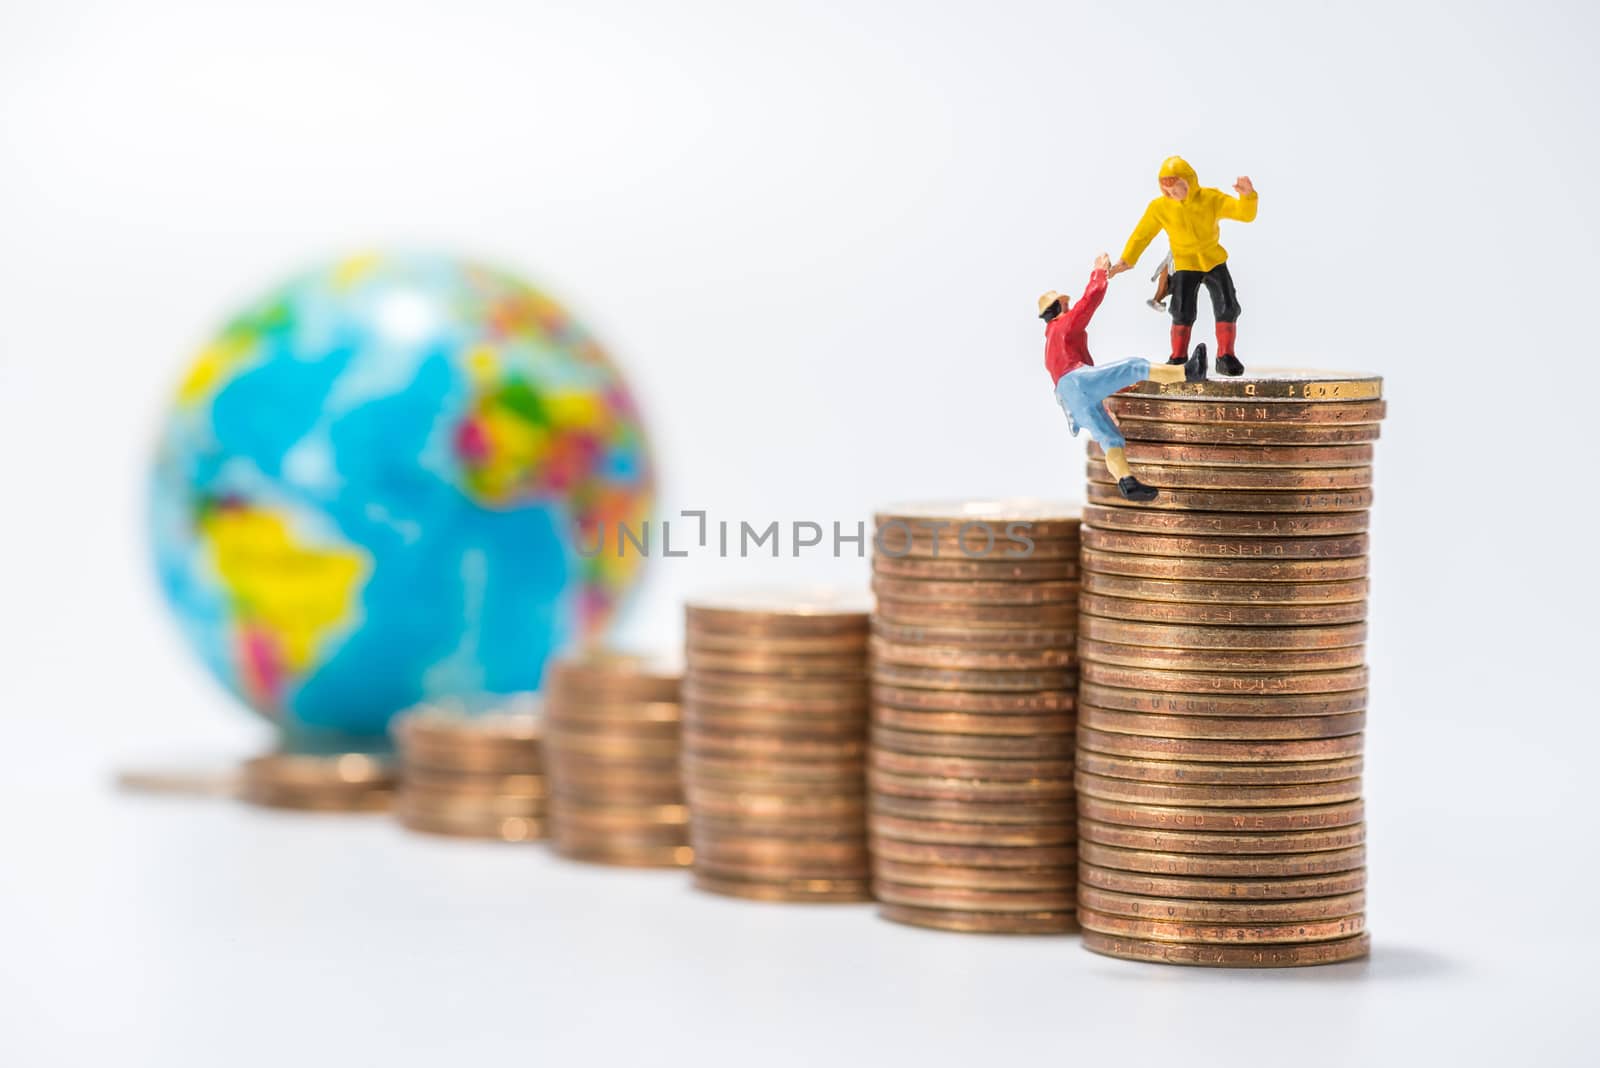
(383, 484)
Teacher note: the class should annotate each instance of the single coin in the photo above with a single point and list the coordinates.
(477, 825)
(445, 803)
(1224, 728)
(1025, 680)
(185, 781)
(1148, 885)
(1292, 479)
(1245, 913)
(710, 801)
(1180, 636)
(1146, 747)
(472, 759)
(1188, 704)
(448, 726)
(716, 849)
(1019, 639)
(731, 688)
(617, 792)
(708, 717)
(456, 784)
(958, 832)
(1229, 615)
(945, 789)
(1172, 410)
(946, 614)
(848, 702)
(615, 675)
(852, 871)
(603, 818)
(1221, 593)
(662, 856)
(748, 769)
(790, 748)
(783, 665)
(1211, 500)
(1031, 747)
(779, 612)
(988, 724)
(564, 832)
(1272, 384)
(1227, 683)
(981, 856)
(1209, 933)
(792, 890)
(945, 897)
(975, 542)
(1235, 866)
(634, 719)
(959, 657)
(1212, 795)
(950, 767)
(967, 922)
(1161, 840)
(1252, 956)
(957, 567)
(1251, 774)
(1010, 814)
(966, 877)
(1218, 660)
(712, 828)
(1303, 547)
(615, 746)
(1054, 700)
(1219, 455)
(969, 592)
(1231, 569)
(335, 771)
(714, 641)
(1226, 524)
(1046, 518)
(318, 799)
(1222, 820)
(1256, 434)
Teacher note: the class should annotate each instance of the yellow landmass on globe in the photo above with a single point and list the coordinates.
(214, 364)
(295, 592)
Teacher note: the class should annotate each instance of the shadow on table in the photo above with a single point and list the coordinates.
(1388, 963)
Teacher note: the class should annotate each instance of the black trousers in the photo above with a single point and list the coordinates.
(1186, 295)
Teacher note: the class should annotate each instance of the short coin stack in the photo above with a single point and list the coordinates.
(1224, 687)
(775, 723)
(340, 782)
(612, 747)
(973, 818)
(472, 776)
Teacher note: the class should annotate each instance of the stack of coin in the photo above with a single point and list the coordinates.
(1224, 688)
(973, 680)
(774, 745)
(339, 782)
(612, 746)
(472, 776)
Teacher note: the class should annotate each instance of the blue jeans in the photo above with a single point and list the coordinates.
(1082, 394)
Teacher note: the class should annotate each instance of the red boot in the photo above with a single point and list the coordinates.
(1227, 362)
(1180, 344)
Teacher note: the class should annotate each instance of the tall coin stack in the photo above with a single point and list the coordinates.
(973, 680)
(775, 724)
(472, 776)
(612, 747)
(1224, 688)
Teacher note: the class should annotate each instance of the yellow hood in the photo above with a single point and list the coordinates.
(1178, 167)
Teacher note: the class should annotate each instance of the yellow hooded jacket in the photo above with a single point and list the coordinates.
(1190, 223)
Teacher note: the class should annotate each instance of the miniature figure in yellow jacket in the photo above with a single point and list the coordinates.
(1189, 214)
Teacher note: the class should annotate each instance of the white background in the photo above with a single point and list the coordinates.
(812, 234)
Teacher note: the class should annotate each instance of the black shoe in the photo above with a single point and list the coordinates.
(1194, 368)
(1175, 361)
(1134, 490)
(1229, 365)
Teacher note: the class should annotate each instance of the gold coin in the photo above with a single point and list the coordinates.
(978, 856)
(615, 676)
(851, 641)
(949, 767)
(959, 568)
(352, 771)
(1212, 500)
(1223, 728)
(472, 825)
(1278, 479)
(1015, 680)
(1235, 593)
(1056, 700)
(444, 802)
(780, 613)
(1223, 455)
(1227, 683)
(967, 922)
(1226, 615)
(1045, 518)
(1272, 384)
(618, 792)
(1009, 814)
(1234, 866)
(660, 856)
(735, 689)
(501, 731)
(1238, 913)
(1162, 840)
(601, 818)
(182, 782)
(1171, 636)
(946, 614)
(713, 802)
(1236, 548)
(1197, 773)
(1256, 434)
(714, 828)
(1231, 569)
(1226, 524)
(1020, 639)
(783, 665)
(770, 853)
(1254, 956)
(967, 877)
(945, 897)
(971, 659)
(791, 890)
(852, 871)
(977, 544)
(1146, 747)
(845, 723)
(794, 748)
(985, 724)
(1132, 882)
(317, 798)
(1036, 747)
(1131, 407)
(946, 789)
(1221, 820)
(748, 769)
(959, 832)
(475, 760)
(475, 785)
(1221, 704)
(564, 745)
(1172, 931)
(1209, 795)
(995, 593)
(1231, 660)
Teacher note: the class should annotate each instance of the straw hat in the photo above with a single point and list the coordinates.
(1049, 299)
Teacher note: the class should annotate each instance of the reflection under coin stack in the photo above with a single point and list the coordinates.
(612, 746)
(1224, 688)
(340, 782)
(775, 722)
(972, 745)
(472, 776)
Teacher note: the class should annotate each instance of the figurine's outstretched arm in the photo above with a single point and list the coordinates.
(1242, 207)
(1144, 233)
(1084, 307)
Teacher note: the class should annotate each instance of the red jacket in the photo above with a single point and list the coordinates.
(1066, 338)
